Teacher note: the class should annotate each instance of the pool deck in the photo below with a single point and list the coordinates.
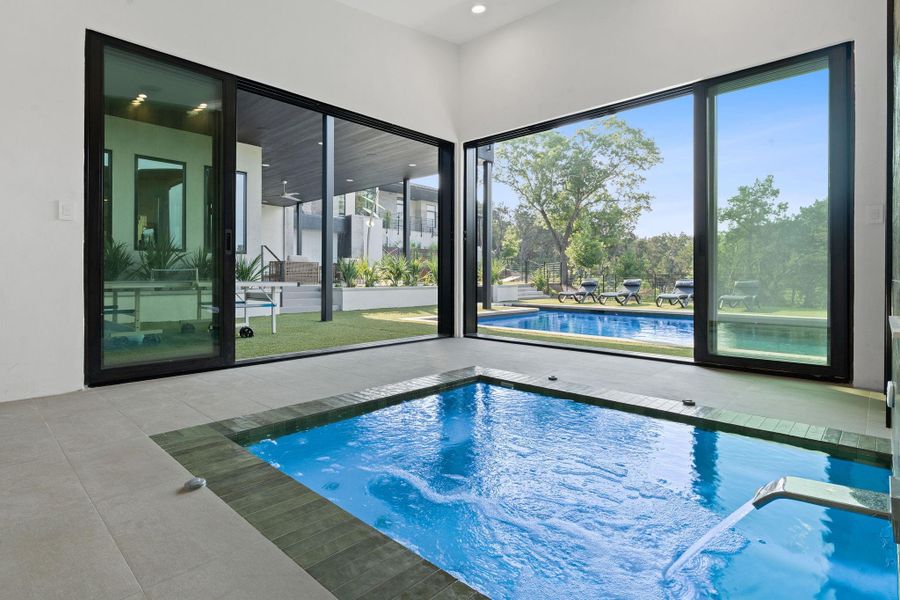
(90, 505)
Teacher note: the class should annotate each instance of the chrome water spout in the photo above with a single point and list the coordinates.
(829, 495)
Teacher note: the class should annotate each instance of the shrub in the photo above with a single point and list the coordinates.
(159, 255)
(349, 270)
(412, 273)
(117, 260)
(203, 262)
(430, 277)
(245, 270)
(541, 282)
(368, 274)
(393, 269)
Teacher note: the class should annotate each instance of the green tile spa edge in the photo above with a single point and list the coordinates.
(350, 558)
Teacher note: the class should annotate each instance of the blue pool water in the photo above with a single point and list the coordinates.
(526, 496)
(802, 344)
(645, 328)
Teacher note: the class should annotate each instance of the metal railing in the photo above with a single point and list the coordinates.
(265, 268)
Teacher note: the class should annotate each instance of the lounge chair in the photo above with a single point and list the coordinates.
(744, 292)
(682, 294)
(631, 288)
(587, 290)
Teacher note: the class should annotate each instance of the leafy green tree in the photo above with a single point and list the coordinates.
(564, 178)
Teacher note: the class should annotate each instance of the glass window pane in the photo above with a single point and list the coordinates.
(163, 126)
(769, 287)
(240, 214)
(591, 225)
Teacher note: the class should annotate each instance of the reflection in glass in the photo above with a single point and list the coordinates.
(161, 199)
(159, 202)
(769, 285)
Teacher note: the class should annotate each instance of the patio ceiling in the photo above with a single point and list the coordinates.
(290, 138)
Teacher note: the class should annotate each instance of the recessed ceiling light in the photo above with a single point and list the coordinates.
(349, 181)
(412, 164)
(265, 164)
(320, 143)
(478, 9)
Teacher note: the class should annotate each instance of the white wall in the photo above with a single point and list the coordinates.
(382, 70)
(575, 55)
(249, 160)
(580, 54)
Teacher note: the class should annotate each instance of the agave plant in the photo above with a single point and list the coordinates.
(412, 272)
(159, 255)
(393, 269)
(430, 276)
(349, 271)
(368, 274)
(203, 262)
(248, 270)
(117, 260)
(497, 272)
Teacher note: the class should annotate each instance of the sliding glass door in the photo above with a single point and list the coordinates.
(595, 211)
(158, 233)
(776, 207)
(228, 220)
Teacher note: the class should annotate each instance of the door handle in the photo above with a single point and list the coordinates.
(229, 241)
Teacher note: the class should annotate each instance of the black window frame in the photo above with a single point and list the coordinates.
(841, 183)
(95, 44)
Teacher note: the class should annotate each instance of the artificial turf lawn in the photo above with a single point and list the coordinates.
(306, 331)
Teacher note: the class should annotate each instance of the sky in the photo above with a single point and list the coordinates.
(778, 128)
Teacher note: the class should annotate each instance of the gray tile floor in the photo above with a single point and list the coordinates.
(90, 507)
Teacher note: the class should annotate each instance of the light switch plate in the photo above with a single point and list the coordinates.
(874, 214)
(65, 211)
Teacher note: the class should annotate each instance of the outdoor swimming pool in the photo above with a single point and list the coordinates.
(800, 344)
(675, 330)
(528, 496)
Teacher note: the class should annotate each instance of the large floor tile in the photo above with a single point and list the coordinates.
(125, 467)
(92, 428)
(162, 416)
(163, 532)
(33, 489)
(257, 571)
(63, 555)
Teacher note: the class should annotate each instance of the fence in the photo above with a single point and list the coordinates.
(652, 284)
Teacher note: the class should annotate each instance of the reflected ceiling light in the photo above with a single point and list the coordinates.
(412, 164)
(202, 105)
(319, 143)
(142, 96)
(349, 181)
(478, 9)
(265, 164)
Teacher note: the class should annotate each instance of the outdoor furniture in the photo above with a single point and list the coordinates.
(257, 294)
(631, 288)
(744, 292)
(297, 271)
(682, 294)
(587, 290)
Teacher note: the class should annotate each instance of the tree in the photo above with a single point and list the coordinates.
(563, 178)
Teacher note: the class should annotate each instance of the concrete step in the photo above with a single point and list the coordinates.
(305, 309)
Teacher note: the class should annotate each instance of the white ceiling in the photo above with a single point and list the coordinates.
(451, 20)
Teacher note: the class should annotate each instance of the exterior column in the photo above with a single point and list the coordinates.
(327, 216)
(407, 195)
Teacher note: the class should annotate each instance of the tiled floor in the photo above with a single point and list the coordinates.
(90, 507)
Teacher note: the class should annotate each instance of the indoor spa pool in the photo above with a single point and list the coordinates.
(523, 495)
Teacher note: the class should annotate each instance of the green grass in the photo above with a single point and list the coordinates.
(305, 331)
